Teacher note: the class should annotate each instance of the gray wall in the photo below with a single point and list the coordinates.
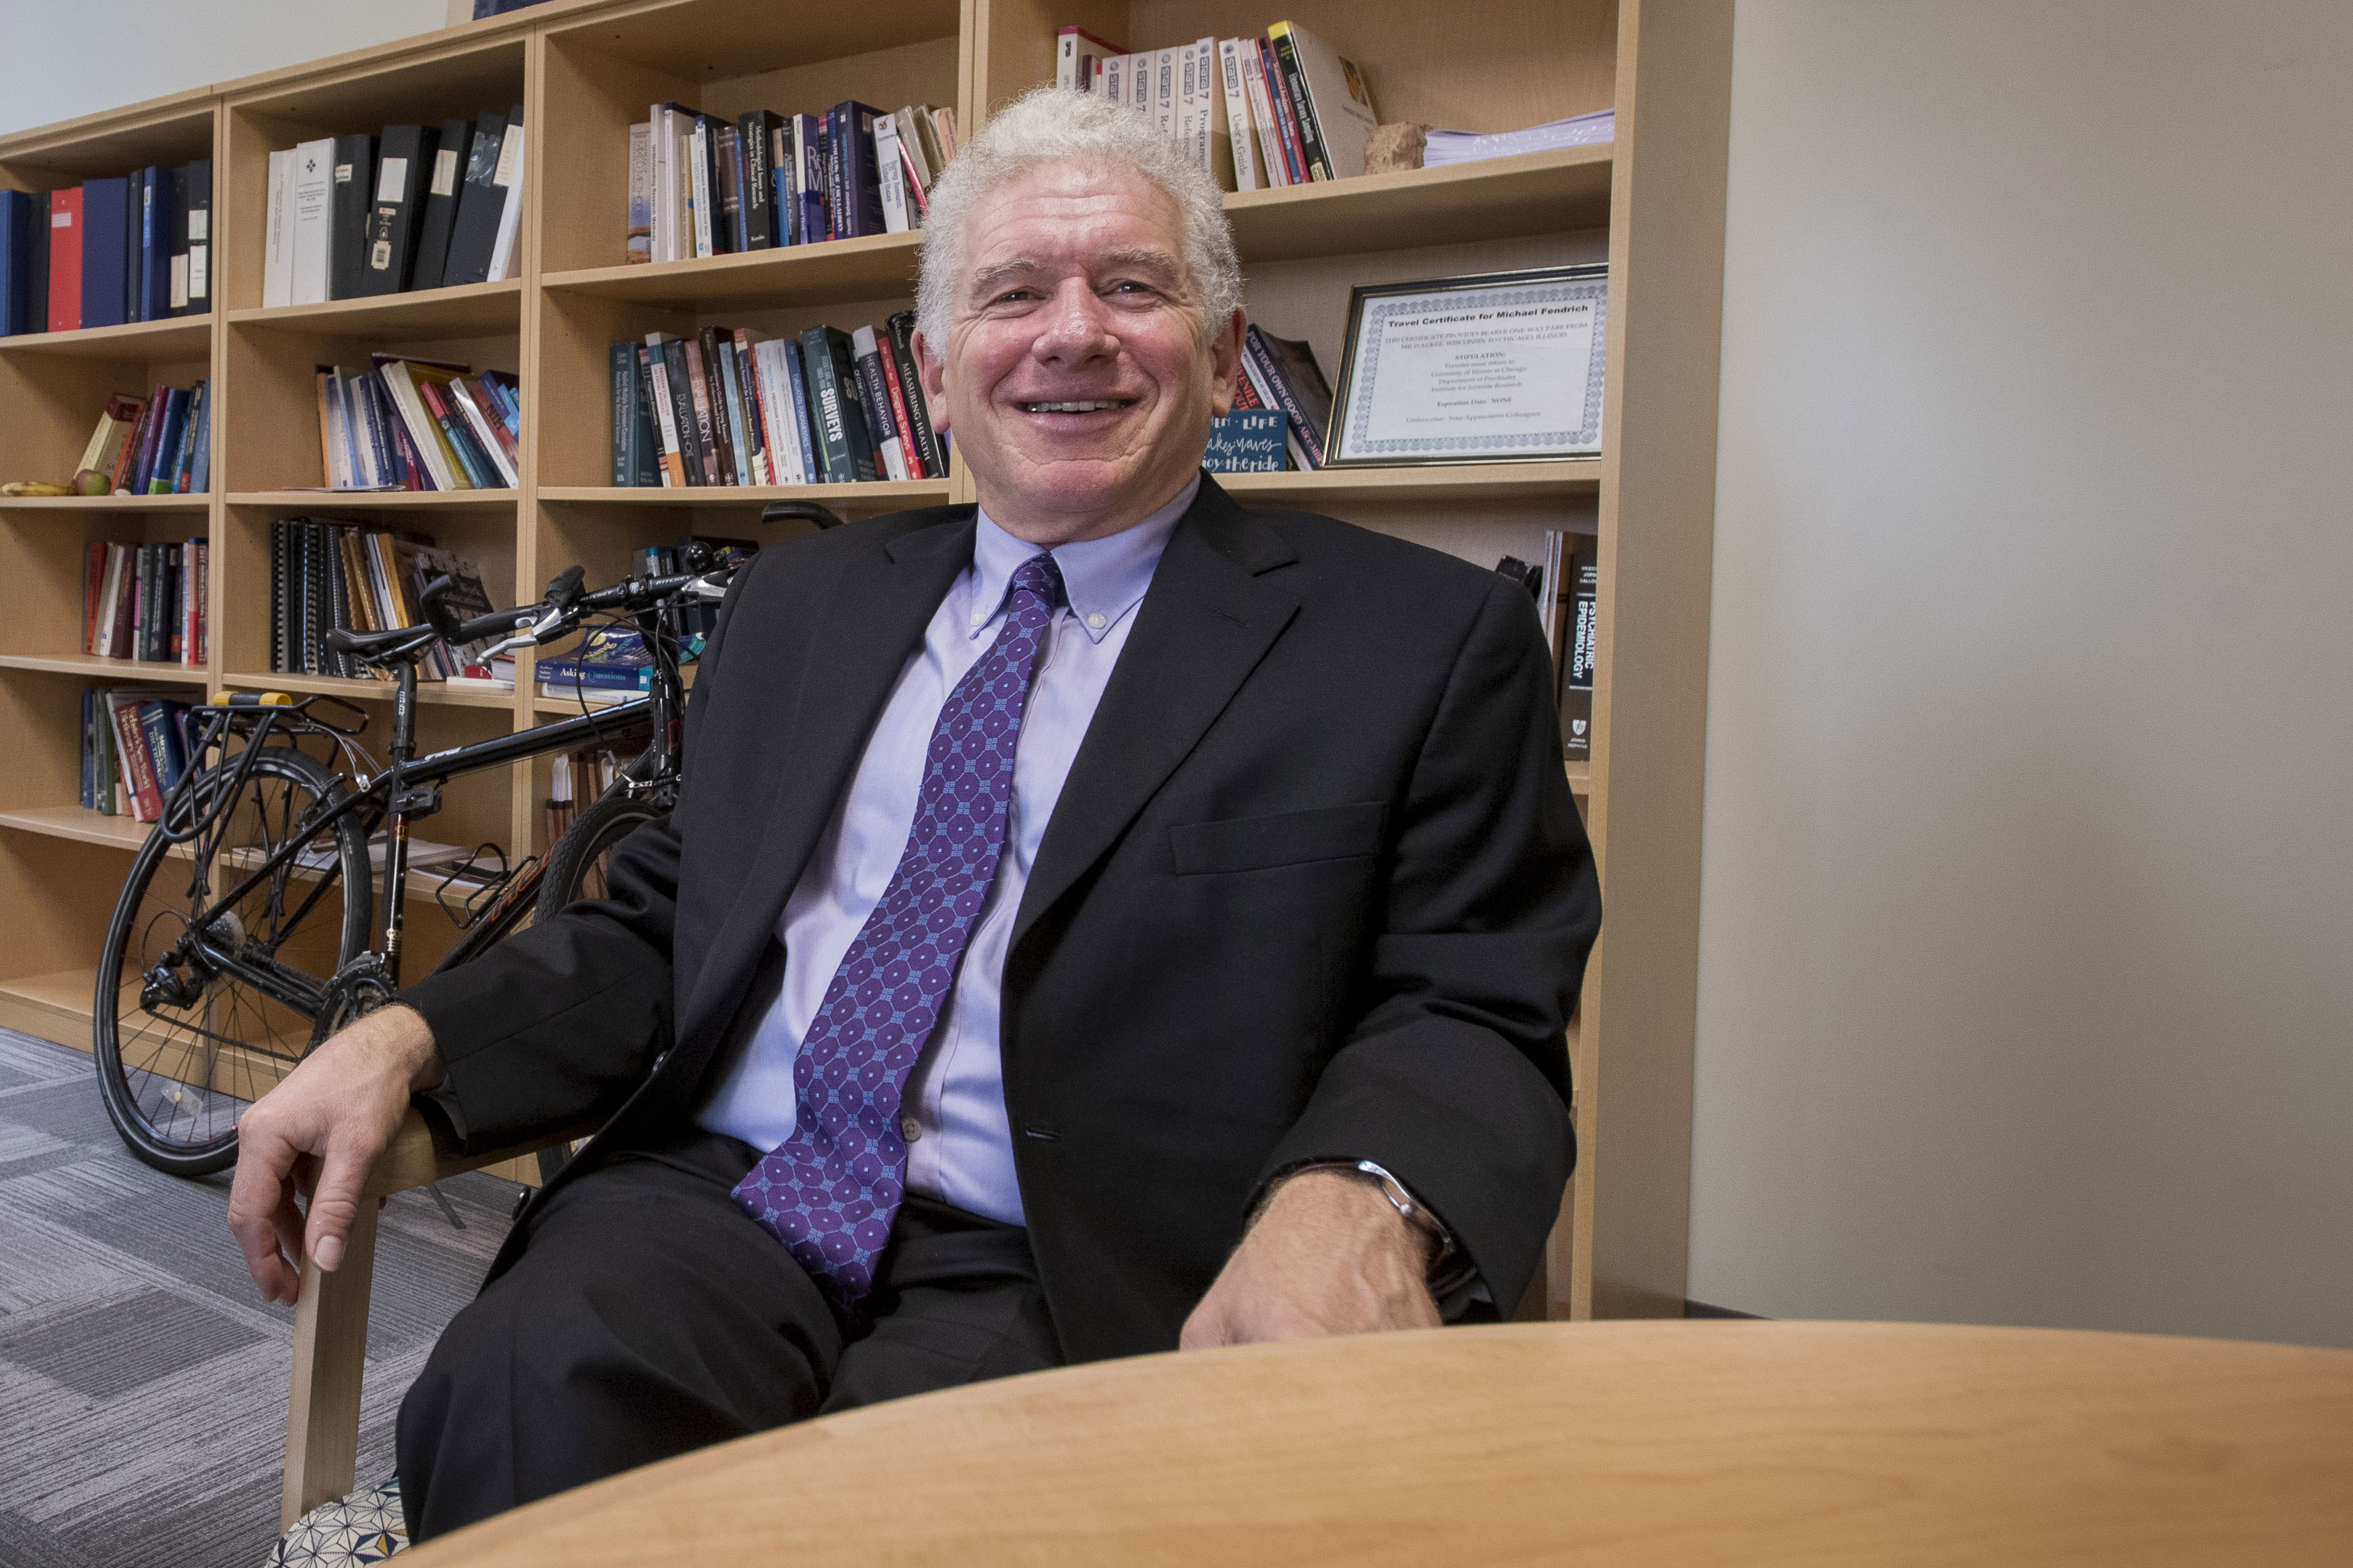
(71, 57)
(2027, 932)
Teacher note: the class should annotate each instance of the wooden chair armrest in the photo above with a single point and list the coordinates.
(411, 1160)
(322, 1411)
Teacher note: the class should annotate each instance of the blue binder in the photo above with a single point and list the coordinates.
(23, 219)
(106, 250)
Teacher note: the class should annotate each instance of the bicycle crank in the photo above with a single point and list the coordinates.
(357, 989)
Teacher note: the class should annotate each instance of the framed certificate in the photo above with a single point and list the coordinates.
(1501, 367)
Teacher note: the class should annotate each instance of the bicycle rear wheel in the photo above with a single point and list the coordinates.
(183, 1046)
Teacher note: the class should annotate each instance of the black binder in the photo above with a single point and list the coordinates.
(191, 236)
(436, 194)
(347, 214)
(480, 201)
(404, 164)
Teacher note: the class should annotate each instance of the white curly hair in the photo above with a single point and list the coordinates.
(1052, 125)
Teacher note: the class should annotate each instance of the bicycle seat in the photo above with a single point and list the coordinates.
(381, 648)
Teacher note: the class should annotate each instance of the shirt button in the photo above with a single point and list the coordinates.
(910, 1129)
(1096, 620)
(978, 617)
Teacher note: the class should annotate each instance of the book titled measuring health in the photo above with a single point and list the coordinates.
(901, 327)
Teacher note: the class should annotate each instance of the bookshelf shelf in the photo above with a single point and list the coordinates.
(188, 337)
(1500, 198)
(474, 309)
(427, 691)
(105, 503)
(1436, 482)
(289, 501)
(55, 1005)
(875, 495)
(79, 824)
(836, 273)
(92, 665)
(567, 705)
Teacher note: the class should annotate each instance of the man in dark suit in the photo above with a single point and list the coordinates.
(1100, 920)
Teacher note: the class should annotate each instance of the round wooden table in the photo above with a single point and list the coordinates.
(1626, 1442)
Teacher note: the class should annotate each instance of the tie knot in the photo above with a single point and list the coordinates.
(1040, 575)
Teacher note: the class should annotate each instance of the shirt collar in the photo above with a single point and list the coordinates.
(1103, 578)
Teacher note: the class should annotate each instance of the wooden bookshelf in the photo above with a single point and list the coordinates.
(1651, 203)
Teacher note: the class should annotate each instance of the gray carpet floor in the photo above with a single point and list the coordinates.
(142, 1379)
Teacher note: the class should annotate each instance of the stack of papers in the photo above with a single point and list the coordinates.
(1469, 146)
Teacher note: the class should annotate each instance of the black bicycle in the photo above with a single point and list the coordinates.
(242, 938)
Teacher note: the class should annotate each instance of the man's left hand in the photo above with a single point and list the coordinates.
(1329, 1255)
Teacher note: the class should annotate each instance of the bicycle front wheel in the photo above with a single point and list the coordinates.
(575, 865)
(183, 1043)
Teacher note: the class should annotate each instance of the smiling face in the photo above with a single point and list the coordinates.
(1075, 374)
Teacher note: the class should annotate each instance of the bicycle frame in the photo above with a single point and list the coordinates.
(408, 788)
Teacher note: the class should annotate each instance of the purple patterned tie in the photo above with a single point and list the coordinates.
(828, 1192)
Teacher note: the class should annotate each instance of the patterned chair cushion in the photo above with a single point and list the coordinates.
(366, 1526)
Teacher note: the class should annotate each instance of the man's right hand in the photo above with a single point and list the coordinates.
(317, 1134)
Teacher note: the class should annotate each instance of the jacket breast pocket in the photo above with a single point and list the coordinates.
(1285, 839)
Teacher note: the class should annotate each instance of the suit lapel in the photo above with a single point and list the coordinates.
(1204, 625)
(875, 615)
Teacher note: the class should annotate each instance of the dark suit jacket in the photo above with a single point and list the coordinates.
(1316, 886)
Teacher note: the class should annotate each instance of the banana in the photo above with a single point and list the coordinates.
(32, 488)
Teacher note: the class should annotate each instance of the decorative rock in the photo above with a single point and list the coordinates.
(1395, 147)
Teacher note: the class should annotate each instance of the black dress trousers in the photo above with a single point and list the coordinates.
(648, 1315)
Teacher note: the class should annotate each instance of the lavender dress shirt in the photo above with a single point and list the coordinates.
(960, 1146)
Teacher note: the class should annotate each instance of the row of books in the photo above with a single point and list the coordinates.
(418, 425)
(732, 407)
(1284, 110)
(160, 444)
(577, 781)
(134, 248)
(422, 207)
(134, 747)
(1281, 373)
(701, 186)
(326, 573)
(147, 602)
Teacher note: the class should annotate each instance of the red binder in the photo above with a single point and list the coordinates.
(65, 259)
